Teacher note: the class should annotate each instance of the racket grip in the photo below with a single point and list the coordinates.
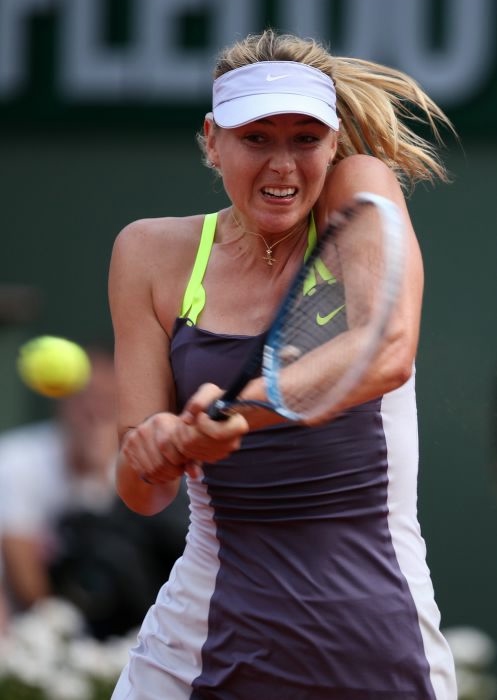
(218, 410)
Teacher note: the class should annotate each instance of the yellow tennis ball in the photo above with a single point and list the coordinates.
(53, 366)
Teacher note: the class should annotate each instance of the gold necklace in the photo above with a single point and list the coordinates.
(268, 256)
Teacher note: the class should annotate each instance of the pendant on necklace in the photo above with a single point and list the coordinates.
(269, 257)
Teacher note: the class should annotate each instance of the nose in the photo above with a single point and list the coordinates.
(282, 161)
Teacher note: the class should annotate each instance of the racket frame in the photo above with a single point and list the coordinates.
(393, 245)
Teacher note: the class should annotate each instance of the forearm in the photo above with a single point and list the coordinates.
(309, 386)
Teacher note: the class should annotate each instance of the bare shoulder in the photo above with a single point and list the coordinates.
(158, 236)
(358, 173)
(157, 251)
(364, 166)
(363, 173)
(150, 266)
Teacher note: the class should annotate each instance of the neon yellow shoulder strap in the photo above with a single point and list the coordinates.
(319, 267)
(312, 237)
(194, 298)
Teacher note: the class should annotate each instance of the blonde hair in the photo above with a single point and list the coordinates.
(374, 104)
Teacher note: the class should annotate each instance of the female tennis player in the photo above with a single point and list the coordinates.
(304, 573)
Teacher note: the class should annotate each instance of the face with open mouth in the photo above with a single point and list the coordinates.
(273, 169)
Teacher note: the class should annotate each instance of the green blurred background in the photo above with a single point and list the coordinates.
(99, 104)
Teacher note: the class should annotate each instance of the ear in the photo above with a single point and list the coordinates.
(210, 130)
(334, 146)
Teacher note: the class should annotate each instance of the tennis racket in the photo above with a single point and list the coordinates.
(332, 322)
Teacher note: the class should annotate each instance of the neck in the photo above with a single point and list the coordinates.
(270, 245)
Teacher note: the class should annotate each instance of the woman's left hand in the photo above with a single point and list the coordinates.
(201, 439)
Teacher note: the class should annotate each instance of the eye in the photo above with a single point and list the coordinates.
(307, 139)
(255, 138)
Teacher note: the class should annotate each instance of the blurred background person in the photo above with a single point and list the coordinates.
(63, 532)
(49, 468)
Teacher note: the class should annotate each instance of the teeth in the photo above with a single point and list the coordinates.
(280, 192)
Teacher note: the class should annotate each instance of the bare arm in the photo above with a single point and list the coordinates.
(145, 287)
(144, 385)
(394, 363)
(24, 569)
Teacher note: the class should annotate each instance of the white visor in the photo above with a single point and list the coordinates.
(260, 90)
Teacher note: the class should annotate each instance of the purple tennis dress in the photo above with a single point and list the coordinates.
(304, 573)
